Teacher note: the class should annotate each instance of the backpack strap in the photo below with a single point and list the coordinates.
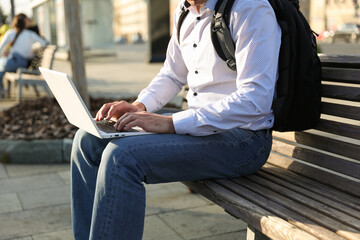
(220, 33)
(184, 12)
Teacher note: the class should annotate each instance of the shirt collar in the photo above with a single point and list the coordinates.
(210, 4)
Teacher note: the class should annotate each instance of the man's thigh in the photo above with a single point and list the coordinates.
(172, 157)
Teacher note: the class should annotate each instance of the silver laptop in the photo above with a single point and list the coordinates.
(76, 111)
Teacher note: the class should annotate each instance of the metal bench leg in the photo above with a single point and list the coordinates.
(20, 91)
(8, 88)
(254, 234)
(36, 90)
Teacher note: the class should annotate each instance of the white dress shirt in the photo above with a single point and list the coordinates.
(220, 99)
(23, 44)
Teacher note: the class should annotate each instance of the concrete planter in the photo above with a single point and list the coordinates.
(35, 151)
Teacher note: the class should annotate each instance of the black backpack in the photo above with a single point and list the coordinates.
(297, 105)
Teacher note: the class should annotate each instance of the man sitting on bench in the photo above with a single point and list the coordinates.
(224, 134)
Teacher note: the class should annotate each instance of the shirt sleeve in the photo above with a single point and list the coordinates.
(257, 38)
(36, 38)
(5, 40)
(169, 81)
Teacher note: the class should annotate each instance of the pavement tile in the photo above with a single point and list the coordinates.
(155, 229)
(65, 176)
(45, 197)
(3, 173)
(162, 198)
(11, 185)
(9, 202)
(202, 222)
(241, 235)
(65, 234)
(21, 170)
(23, 238)
(34, 221)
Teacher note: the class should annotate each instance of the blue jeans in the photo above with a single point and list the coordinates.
(108, 195)
(10, 64)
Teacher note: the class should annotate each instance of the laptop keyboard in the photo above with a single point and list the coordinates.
(108, 127)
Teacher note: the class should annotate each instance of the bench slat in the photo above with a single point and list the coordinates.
(343, 75)
(315, 186)
(338, 216)
(309, 193)
(320, 142)
(328, 178)
(264, 221)
(343, 61)
(341, 92)
(301, 209)
(341, 110)
(320, 159)
(343, 129)
(279, 210)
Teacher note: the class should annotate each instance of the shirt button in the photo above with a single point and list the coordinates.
(198, 18)
(194, 45)
(196, 72)
(195, 94)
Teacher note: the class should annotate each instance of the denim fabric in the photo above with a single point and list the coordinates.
(10, 64)
(108, 195)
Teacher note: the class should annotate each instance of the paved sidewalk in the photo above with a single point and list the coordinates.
(35, 205)
(34, 198)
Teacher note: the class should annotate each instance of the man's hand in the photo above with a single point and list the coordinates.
(134, 115)
(117, 109)
(150, 122)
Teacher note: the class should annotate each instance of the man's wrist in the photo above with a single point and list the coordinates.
(140, 106)
(171, 126)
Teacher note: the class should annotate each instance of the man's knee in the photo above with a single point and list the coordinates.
(85, 144)
(81, 138)
(123, 157)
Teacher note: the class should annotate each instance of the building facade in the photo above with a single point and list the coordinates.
(338, 12)
(330, 14)
(96, 19)
(130, 20)
(106, 21)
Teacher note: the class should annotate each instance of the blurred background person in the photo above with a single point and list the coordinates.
(16, 47)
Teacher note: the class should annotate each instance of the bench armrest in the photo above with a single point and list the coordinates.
(21, 71)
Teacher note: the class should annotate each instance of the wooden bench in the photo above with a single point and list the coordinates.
(310, 186)
(31, 76)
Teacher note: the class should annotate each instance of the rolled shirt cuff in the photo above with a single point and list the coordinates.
(150, 104)
(184, 122)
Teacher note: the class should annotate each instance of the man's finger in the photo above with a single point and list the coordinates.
(103, 111)
(135, 123)
(111, 111)
(99, 114)
(116, 110)
(123, 120)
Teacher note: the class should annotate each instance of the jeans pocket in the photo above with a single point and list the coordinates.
(252, 165)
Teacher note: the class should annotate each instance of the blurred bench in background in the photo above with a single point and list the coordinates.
(31, 76)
